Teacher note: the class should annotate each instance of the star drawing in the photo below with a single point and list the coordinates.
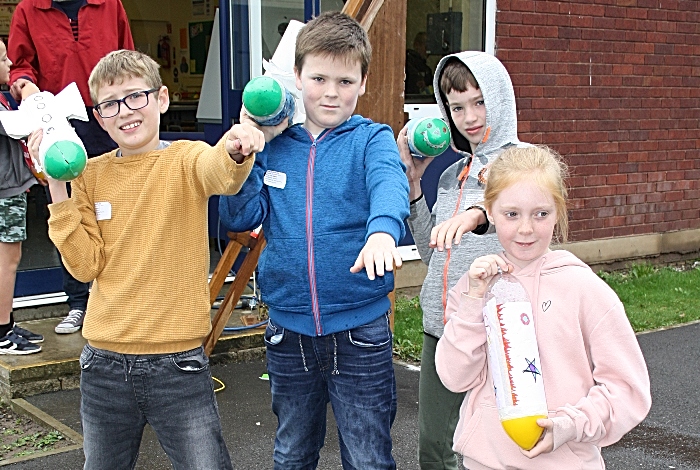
(532, 368)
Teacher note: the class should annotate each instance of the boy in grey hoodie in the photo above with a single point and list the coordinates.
(475, 96)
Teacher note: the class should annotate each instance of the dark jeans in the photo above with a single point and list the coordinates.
(76, 291)
(174, 393)
(352, 370)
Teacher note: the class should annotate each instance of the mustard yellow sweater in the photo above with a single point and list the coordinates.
(137, 226)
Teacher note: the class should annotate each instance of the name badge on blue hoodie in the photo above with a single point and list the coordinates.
(275, 179)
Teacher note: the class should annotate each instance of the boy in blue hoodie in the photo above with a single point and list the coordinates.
(331, 195)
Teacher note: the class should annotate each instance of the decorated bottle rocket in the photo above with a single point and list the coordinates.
(427, 137)
(267, 101)
(272, 97)
(62, 155)
(514, 359)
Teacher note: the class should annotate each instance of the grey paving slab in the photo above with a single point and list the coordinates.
(668, 439)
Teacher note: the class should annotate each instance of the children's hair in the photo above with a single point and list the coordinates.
(121, 65)
(455, 76)
(336, 35)
(538, 163)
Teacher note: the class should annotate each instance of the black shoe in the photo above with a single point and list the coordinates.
(13, 344)
(28, 335)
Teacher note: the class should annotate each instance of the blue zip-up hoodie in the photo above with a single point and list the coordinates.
(340, 188)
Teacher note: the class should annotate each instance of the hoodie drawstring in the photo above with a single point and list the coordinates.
(536, 291)
(463, 177)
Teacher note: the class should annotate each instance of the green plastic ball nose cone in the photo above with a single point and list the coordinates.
(65, 160)
(428, 137)
(263, 97)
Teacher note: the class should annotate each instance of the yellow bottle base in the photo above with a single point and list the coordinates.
(524, 431)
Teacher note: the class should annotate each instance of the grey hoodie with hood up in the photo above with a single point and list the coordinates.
(501, 133)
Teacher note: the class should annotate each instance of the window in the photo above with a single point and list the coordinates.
(434, 29)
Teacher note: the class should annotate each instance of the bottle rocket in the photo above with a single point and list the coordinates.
(272, 97)
(62, 155)
(514, 359)
(267, 101)
(427, 137)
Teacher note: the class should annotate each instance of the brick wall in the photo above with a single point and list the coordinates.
(614, 86)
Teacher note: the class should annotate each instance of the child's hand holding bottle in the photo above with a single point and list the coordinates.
(482, 270)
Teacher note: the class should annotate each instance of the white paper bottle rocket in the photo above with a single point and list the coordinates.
(514, 359)
(62, 155)
(271, 98)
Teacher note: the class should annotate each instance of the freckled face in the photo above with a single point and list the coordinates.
(524, 217)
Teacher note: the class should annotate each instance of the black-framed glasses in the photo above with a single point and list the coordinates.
(134, 101)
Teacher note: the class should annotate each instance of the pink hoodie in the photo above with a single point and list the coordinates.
(595, 377)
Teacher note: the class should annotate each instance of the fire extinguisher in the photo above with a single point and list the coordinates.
(164, 51)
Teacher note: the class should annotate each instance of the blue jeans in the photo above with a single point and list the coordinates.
(352, 370)
(172, 392)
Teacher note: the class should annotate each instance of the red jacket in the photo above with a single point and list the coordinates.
(42, 46)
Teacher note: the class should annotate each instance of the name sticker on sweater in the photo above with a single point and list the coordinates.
(103, 210)
(275, 179)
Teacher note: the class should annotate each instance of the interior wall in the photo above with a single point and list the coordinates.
(154, 21)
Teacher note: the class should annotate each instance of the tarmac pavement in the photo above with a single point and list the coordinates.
(668, 439)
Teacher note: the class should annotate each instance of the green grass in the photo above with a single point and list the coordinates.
(656, 298)
(653, 298)
(408, 329)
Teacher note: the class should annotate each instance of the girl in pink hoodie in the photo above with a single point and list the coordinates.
(595, 377)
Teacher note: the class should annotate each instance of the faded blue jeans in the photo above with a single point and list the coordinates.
(352, 370)
(172, 392)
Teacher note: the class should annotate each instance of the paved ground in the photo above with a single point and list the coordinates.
(668, 439)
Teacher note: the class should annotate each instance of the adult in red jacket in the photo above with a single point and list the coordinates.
(54, 43)
(53, 52)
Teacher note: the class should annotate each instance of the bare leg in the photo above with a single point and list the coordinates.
(10, 254)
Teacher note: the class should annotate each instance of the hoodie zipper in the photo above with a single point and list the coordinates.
(315, 308)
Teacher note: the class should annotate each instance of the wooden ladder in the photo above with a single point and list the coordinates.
(255, 243)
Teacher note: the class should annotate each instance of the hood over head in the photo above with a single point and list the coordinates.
(499, 98)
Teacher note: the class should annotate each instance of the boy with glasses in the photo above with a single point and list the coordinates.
(132, 215)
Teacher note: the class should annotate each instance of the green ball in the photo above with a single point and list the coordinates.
(428, 137)
(65, 160)
(263, 97)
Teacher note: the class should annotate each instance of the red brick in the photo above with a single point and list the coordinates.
(603, 233)
(624, 231)
(655, 197)
(642, 229)
(625, 189)
(671, 215)
(653, 217)
(690, 214)
(625, 210)
(673, 196)
(522, 5)
(604, 190)
(616, 179)
(635, 219)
